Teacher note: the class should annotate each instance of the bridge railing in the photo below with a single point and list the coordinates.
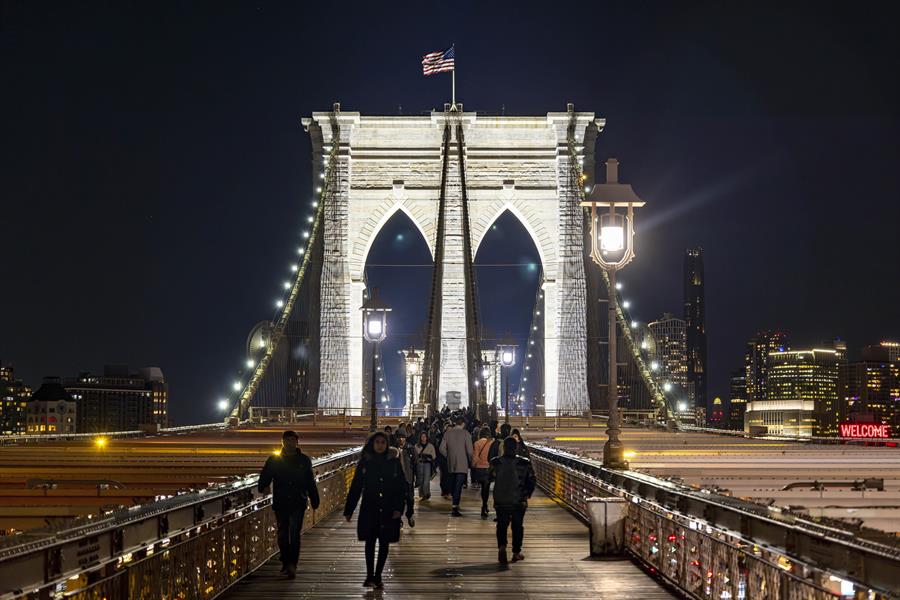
(712, 546)
(57, 436)
(192, 545)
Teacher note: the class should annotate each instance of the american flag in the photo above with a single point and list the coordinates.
(438, 62)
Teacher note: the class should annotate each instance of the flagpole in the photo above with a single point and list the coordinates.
(453, 89)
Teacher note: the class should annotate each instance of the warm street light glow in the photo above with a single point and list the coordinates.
(315, 203)
(250, 363)
(626, 304)
(654, 366)
(287, 285)
(667, 387)
(305, 234)
(618, 285)
(634, 324)
(236, 386)
(318, 190)
(223, 404)
(309, 219)
(300, 250)
(682, 406)
(612, 238)
(294, 268)
(279, 303)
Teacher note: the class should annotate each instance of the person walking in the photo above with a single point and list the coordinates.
(380, 482)
(481, 465)
(514, 482)
(408, 463)
(425, 455)
(521, 448)
(457, 448)
(291, 471)
(444, 477)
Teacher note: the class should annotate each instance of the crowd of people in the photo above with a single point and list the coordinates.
(453, 447)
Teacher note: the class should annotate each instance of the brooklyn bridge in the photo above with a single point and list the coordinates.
(636, 501)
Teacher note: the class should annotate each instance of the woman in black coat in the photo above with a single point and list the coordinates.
(379, 480)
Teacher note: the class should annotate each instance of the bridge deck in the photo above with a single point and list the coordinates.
(446, 557)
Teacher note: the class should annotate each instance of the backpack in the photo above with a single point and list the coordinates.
(507, 487)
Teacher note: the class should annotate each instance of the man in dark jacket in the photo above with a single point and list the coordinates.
(407, 459)
(295, 482)
(514, 482)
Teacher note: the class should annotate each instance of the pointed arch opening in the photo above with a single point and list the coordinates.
(508, 269)
(398, 264)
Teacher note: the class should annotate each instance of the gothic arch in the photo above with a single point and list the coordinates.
(533, 223)
(365, 236)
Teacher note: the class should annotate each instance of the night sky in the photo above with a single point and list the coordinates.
(155, 177)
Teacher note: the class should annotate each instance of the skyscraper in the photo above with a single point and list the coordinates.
(737, 399)
(695, 328)
(119, 400)
(869, 389)
(804, 381)
(13, 397)
(671, 355)
(756, 361)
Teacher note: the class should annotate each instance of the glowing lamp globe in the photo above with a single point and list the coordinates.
(375, 319)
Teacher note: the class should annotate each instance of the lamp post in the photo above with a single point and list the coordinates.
(507, 356)
(374, 331)
(485, 375)
(412, 369)
(612, 247)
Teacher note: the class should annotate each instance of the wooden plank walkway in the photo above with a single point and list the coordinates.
(447, 557)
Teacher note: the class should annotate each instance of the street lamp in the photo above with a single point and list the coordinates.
(374, 331)
(612, 247)
(506, 354)
(412, 369)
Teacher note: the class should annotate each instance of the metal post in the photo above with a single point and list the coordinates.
(506, 395)
(373, 407)
(613, 453)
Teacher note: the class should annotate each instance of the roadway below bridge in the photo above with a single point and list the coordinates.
(51, 481)
(758, 469)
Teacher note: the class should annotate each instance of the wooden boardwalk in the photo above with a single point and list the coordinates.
(447, 557)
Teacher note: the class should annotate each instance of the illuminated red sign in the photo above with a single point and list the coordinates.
(865, 430)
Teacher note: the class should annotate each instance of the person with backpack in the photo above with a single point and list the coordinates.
(379, 480)
(514, 482)
(480, 466)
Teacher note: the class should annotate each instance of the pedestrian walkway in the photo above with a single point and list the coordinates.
(456, 557)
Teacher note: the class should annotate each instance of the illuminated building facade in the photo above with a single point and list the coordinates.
(119, 400)
(809, 377)
(869, 389)
(737, 399)
(756, 363)
(14, 395)
(670, 350)
(695, 331)
(51, 409)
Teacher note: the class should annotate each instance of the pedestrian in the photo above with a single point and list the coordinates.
(425, 455)
(446, 480)
(457, 448)
(497, 446)
(408, 463)
(521, 448)
(514, 482)
(379, 480)
(480, 466)
(291, 471)
(389, 432)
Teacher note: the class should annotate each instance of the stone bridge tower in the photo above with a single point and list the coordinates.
(391, 163)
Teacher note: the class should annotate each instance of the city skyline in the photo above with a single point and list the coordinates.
(135, 179)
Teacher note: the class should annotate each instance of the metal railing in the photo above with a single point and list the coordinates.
(193, 545)
(711, 546)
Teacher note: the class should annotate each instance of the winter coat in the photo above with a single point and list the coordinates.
(480, 450)
(457, 447)
(514, 482)
(295, 481)
(382, 485)
(407, 462)
(425, 453)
